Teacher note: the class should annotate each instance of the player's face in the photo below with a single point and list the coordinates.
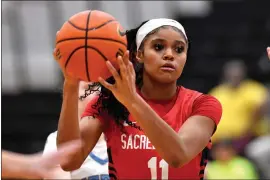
(164, 55)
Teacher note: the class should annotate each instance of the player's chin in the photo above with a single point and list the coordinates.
(167, 78)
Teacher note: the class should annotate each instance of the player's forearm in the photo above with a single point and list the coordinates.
(15, 165)
(10, 165)
(68, 125)
(165, 140)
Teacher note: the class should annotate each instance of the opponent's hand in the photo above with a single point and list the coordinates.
(124, 88)
(268, 52)
(43, 166)
(37, 166)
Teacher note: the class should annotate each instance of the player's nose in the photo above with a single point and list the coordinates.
(168, 55)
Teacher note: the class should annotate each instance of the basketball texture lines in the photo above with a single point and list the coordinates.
(86, 39)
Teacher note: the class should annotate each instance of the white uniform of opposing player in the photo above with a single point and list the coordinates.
(95, 165)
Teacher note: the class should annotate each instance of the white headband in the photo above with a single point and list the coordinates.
(154, 24)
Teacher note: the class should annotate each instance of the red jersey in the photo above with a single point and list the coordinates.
(131, 154)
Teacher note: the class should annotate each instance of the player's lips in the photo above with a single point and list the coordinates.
(168, 67)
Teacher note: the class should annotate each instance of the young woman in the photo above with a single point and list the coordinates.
(96, 164)
(154, 129)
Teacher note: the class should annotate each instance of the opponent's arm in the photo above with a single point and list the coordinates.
(16, 165)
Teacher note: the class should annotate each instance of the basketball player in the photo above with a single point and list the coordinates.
(95, 165)
(16, 165)
(154, 129)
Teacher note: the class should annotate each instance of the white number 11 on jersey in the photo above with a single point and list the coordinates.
(152, 164)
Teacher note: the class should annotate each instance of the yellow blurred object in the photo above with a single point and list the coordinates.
(236, 168)
(238, 105)
(262, 127)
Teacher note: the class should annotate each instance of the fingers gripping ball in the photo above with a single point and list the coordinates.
(86, 41)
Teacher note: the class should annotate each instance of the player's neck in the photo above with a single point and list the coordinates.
(153, 90)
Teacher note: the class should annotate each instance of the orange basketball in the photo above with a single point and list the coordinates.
(86, 41)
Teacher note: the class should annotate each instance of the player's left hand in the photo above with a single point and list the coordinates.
(124, 88)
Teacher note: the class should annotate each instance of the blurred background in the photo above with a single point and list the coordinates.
(227, 58)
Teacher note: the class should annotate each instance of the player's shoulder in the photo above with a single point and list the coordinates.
(196, 95)
(89, 110)
(93, 100)
(188, 93)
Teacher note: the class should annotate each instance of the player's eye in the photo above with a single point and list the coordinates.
(179, 49)
(158, 47)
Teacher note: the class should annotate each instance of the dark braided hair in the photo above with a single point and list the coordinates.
(106, 102)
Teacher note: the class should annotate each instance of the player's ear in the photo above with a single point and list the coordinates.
(139, 56)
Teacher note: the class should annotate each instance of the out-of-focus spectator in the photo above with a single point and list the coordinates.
(243, 102)
(259, 150)
(228, 165)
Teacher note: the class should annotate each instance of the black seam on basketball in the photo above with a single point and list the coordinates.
(76, 26)
(90, 38)
(69, 57)
(90, 47)
(93, 28)
(85, 46)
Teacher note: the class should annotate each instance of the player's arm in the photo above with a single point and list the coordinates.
(69, 128)
(36, 166)
(14, 165)
(175, 148)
